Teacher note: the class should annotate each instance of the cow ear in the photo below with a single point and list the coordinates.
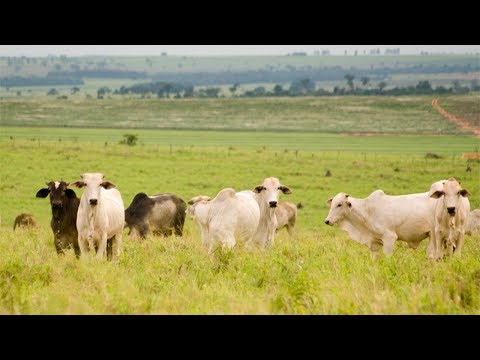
(285, 189)
(329, 201)
(107, 185)
(349, 204)
(78, 184)
(437, 194)
(464, 193)
(70, 193)
(42, 193)
(258, 189)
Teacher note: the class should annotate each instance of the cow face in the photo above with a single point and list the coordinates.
(93, 183)
(58, 193)
(269, 191)
(451, 193)
(339, 205)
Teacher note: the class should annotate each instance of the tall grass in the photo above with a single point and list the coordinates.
(320, 271)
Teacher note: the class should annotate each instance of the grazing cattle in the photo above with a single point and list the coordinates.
(25, 220)
(246, 215)
(379, 220)
(286, 213)
(227, 219)
(101, 216)
(473, 223)
(64, 203)
(267, 196)
(161, 214)
(451, 215)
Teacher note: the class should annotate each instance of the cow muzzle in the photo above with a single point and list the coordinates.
(328, 222)
(451, 211)
(272, 204)
(93, 201)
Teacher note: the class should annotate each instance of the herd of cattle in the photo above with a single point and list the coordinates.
(96, 220)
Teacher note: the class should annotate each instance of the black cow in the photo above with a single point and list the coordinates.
(64, 204)
(160, 214)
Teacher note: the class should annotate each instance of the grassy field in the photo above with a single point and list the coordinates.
(320, 271)
(348, 114)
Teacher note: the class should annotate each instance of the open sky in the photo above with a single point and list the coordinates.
(220, 50)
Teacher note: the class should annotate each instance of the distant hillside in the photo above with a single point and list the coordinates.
(199, 71)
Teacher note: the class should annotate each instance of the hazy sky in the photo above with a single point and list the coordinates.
(205, 50)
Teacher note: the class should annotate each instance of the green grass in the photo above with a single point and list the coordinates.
(321, 271)
(412, 114)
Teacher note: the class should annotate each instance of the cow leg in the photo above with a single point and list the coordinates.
(438, 245)
(179, 222)
(102, 247)
(290, 230)
(144, 230)
(58, 246)
(228, 242)
(459, 244)
(374, 254)
(431, 246)
(388, 240)
(83, 245)
(116, 246)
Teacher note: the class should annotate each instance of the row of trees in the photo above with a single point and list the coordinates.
(268, 74)
(302, 87)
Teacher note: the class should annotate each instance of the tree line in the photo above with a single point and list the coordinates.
(267, 75)
(302, 87)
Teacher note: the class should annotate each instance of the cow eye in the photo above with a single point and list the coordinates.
(339, 205)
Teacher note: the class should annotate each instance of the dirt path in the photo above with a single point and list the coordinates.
(463, 124)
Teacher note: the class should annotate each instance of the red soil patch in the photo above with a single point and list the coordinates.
(471, 156)
(450, 117)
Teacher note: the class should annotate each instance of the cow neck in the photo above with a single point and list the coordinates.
(92, 215)
(355, 214)
(266, 219)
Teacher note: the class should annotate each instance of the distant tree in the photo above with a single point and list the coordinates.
(52, 92)
(278, 90)
(474, 85)
(101, 92)
(365, 80)
(129, 139)
(57, 67)
(382, 85)
(74, 90)
(456, 85)
(350, 78)
(188, 93)
(424, 86)
(234, 88)
(212, 92)
(19, 93)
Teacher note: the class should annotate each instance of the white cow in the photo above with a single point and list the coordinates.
(229, 218)
(101, 215)
(451, 215)
(380, 219)
(267, 196)
(286, 213)
(232, 216)
(473, 223)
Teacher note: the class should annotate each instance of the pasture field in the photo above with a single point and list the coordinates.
(320, 271)
(347, 114)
